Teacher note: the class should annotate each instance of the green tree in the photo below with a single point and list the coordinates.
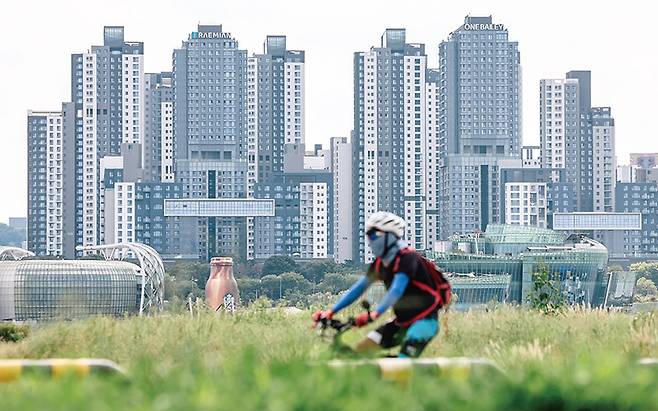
(314, 271)
(181, 288)
(10, 237)
(646, 269)
(276, 286)
(546, 294)
(278, 264)
(337, 282)
(250, 289)
(645, 290)
(295, 281)
(270, 286)
(198, 272)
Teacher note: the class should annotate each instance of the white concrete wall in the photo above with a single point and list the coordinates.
(54, 183)
(133, 89)
(342, 175)
(520, 207)
(167, 141)
(89, 151)
(369, 162)
(294, 99)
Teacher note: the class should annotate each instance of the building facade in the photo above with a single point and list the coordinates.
(108, 90)
(51, 198)
(604, 162)
(159, 128)
(644, 160)
(577, 263)
(639, 197)
(303, 220)
(535, 191)
(394, 121)
(531, 156)
(559, 118)
(211, 147)
(526, 204)
(276, 103)
(341, 162)
(479, 122)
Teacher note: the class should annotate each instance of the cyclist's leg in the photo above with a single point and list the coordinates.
(418, 335)
(382, 337)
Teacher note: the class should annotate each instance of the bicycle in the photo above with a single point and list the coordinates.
(339, 328)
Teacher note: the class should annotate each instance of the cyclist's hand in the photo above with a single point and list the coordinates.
(365, 318)
(321, 315)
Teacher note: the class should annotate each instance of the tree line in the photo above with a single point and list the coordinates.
(278, 279)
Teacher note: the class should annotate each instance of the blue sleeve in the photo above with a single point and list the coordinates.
(394, 293)
(352, 294)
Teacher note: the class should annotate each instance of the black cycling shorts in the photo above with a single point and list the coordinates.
(388, 335)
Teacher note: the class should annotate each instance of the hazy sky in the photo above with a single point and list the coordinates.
(615, 40)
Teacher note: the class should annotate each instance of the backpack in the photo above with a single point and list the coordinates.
(441, 291)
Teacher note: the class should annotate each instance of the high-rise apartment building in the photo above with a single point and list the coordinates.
(479, 122)
(159, 128)
(578, 138)
(275, 104)
(341, 164)
(604, 162)
(559, 120)
(583, 150)
(394, 121)
(299, 183)
(51, 181)
(108, 90)
(211, 147)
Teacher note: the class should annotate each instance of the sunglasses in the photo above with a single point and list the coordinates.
(373, 234)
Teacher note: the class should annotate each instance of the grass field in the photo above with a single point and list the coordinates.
(267, 360)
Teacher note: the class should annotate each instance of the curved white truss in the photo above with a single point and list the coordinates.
(152, 267)
(14, 253)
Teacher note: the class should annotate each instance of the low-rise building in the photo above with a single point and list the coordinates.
(576, 262)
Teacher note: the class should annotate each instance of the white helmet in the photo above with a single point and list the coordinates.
(387, 222)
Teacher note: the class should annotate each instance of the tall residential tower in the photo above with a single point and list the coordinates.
(210, 132)
(394, 138)
(479, 122)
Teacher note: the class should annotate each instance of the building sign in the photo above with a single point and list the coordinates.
(484, 26)
(210, 35)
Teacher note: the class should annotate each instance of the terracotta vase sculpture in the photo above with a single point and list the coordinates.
(222, 289)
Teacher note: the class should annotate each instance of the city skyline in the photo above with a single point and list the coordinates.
(48, 90)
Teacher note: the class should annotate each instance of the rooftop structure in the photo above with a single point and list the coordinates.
(588, 221)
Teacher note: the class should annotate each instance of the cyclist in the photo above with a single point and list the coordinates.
(409, 291)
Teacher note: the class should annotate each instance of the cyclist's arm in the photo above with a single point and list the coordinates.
(352, 294)
(400, 282)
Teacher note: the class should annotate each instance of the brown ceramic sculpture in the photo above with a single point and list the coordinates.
(222, 289)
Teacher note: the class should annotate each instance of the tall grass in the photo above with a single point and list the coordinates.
(267, 360)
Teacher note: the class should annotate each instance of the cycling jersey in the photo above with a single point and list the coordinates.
(414, 300)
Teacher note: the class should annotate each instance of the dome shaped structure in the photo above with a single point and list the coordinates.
(35, 290)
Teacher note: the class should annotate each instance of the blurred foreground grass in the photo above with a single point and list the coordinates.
(261, 360)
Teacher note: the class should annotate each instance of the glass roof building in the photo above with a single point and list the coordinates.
(471, 290)
(520, 251)
(37, 290)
